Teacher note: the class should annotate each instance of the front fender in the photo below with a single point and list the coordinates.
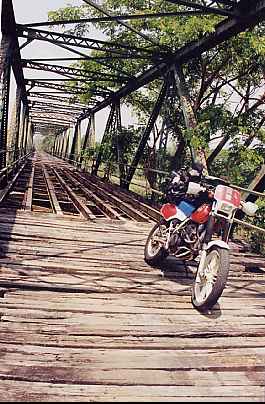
(218, 243)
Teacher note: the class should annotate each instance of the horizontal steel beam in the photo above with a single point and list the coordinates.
(72, 71)
(61, 107)
(206, 9)
(68, 89)
(89, 43)
(121, 17)
(49, 96)
(54, 113)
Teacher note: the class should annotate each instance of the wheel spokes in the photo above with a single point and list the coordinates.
(156, 241)
(206, 278)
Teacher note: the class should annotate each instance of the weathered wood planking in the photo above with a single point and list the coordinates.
(83, 318)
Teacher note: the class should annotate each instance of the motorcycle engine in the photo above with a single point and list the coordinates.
(188, 239)
(190, 234)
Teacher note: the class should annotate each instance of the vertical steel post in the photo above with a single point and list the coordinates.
(87, 140)
(57, 146)
(5, 71)
(17, 123)
(75, 147)
(23, 134)
(63, 136)
(66, 144)
(104, 139)
(92, 141)
(117, 138)
(53, 146)
(145, 136)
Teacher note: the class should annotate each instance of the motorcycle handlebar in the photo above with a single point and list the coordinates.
(215, 180)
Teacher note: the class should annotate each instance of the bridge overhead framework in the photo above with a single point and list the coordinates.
(51, 105)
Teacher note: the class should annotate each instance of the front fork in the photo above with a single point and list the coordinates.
(207, 239)
(208, 243)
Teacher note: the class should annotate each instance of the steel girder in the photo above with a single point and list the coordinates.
(72, 40)
(124, 17)
(55, 116)
(147, 131)
(55, 109)
(49, 126)
(5, 87)
(75, 147)
(65, 89)
(8, 27)
(60, 100)
(89, 138)
(73, 72)
(208, 9)
(105, 136)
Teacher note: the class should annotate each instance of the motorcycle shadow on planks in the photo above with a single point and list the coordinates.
(179, 271)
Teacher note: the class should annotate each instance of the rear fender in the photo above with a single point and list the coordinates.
(218, 243)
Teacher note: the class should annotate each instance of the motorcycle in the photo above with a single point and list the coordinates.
(201, 233)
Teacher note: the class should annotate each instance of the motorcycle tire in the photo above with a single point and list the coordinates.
(204, 303)
(154, 257)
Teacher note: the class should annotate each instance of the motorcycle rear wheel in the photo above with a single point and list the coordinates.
(154, 251)
(209, 285)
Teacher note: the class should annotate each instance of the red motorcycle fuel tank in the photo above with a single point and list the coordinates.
(168, 211)
(201, 214)
(182, 211)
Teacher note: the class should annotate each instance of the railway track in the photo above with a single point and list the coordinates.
(48, 185)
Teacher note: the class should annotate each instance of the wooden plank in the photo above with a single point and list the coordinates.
(196, 381)
(14, 390)
(29, 191)
(126, 207)
(125, 196)
(110, 211)
(40, 336)
(52, 194)
(80, 205)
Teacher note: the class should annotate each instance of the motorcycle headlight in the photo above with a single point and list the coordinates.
(226, 208)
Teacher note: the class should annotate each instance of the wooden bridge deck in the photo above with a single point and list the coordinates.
(83, 318)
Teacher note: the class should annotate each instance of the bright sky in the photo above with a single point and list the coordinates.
(28, 11)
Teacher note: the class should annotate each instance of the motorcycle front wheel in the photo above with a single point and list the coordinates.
(211, 280)
(154, 251)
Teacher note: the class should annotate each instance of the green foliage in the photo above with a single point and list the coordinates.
(47, 143)
(88, 155)
(258, 239)
(239, 165)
